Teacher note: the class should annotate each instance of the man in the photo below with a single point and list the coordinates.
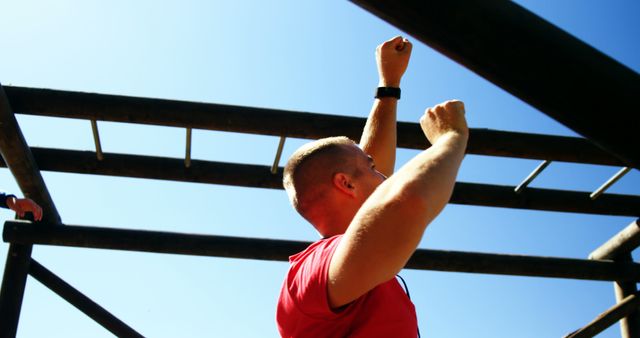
(371, 221)
(20, 205)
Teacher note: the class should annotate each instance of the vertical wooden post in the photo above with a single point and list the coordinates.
(13, 284)
(630, 325)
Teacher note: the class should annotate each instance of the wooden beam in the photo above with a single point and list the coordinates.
(608, 318)
(630, 324)
(532, 59)
(115, 108)
(13, 284)
(619, 249)
(257, 176)
(81, 302)
(621, 244)
(280, 250)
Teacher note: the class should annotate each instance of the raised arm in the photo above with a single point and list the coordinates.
(388, 227)
(379, 135)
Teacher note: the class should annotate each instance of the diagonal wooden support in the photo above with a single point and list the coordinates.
(81, 302)
(608, 318)
(509, 46)
(17, 156)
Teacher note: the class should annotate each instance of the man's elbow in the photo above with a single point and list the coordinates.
(420, 206)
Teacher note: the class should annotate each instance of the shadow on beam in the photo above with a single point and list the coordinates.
(280, 250)
(80, 301)
(57, 103)
(85, 162)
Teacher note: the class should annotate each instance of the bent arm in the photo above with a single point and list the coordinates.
(388, 227)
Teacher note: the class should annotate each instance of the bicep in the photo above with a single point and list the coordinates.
(376, 246)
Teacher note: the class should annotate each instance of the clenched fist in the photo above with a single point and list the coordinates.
(392, 58)
(445, 118)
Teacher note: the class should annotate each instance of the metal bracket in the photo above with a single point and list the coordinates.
(96, 140)
(276, 161)
(187, 155)
(610, 182)
(531, 176)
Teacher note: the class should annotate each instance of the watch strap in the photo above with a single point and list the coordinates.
(387, 92)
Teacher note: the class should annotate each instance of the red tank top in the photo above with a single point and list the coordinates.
(304, 311)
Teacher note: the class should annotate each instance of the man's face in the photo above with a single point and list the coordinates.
(367, 178)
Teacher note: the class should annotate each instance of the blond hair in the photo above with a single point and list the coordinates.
(310, 170)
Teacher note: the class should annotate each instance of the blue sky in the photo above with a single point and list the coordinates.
(314, 56)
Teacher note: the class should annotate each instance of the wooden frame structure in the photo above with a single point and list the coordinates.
(592, 82)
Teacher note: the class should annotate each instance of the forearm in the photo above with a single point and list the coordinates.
(428, 179)
(379, 135)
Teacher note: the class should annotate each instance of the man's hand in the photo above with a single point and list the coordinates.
(445, 118)
(22, 205)
(392, 58)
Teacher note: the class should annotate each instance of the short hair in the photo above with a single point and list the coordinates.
(311, 168)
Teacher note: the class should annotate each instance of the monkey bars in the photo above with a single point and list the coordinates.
(499, 40)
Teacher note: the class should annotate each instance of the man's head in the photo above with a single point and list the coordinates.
(328, 180)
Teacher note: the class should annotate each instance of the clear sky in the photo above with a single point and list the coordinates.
(314, 56)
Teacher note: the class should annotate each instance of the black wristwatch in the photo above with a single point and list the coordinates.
(387, 92)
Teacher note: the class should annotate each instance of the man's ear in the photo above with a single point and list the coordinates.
(343, 183)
